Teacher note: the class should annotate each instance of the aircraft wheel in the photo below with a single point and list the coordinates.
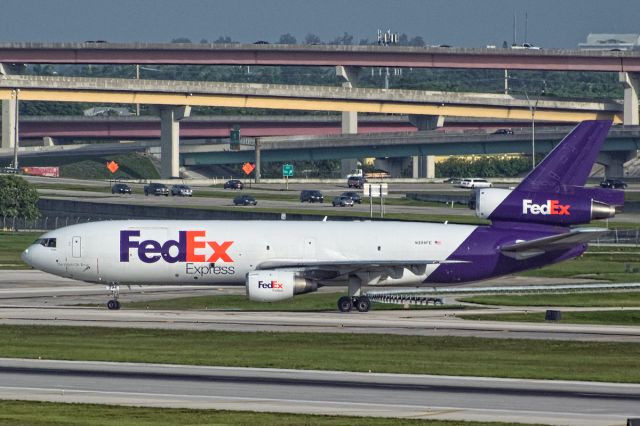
(113, 305)
(362, 304)
(344, 304)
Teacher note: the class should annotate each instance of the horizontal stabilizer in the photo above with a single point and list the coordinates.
(525, 249)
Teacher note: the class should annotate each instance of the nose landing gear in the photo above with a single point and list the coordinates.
(114, 304)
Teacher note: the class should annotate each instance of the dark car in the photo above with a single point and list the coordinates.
(233, 184)
(182, 190)
(156, 189)
(245, 200)
(342, 201)
(121, 188)
(312, 196)
(355, 181)
(503, 132)
(613, 183)
(353, 195)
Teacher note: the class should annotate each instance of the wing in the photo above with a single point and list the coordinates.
(331, 269)
(525, 249)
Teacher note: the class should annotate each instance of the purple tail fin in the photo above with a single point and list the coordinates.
(569, 163)
(554, 193)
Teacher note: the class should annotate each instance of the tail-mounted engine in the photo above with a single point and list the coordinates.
(571, 206)
(273, 286)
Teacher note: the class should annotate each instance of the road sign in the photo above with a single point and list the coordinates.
(234, 139)
(375, 189)
(287, 170)
(247, 168)
(112, 166)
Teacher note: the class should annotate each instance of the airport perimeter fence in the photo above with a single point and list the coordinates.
(43, 223)
(48, 223)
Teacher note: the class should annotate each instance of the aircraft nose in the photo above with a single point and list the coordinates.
(26, 256)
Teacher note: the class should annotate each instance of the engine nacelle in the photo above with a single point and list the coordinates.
(273, 286)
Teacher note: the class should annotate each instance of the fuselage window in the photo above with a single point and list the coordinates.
(51, 242)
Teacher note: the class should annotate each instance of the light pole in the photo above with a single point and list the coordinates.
(16, 129)
(532, 109)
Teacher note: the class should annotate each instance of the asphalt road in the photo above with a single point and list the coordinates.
(321, 392)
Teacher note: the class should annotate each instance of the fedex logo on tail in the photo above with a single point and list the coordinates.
(191, 246)
(551, 207)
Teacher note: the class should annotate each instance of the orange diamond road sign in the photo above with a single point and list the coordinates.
(112, 166)
(248, 168)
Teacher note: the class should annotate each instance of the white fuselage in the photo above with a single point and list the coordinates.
(223, 252)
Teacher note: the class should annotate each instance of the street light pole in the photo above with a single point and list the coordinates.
(16, 129)
(532, 109)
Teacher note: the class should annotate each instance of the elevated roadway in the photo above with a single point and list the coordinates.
(320, 55)
(310, 98)
(620, 139)
(200, 127)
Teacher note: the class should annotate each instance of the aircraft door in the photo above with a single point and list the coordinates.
(76, 247)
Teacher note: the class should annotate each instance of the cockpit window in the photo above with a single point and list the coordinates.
(46, 242)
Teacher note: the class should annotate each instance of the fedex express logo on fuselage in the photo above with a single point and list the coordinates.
(551, 207)
(191, 246)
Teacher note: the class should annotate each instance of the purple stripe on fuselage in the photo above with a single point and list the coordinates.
(481, 251)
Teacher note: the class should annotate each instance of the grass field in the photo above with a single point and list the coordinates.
(610, 264)
(11, 246)
(584, 300)
(626, 317)
(132, 166)
(314, 302)
(466, 356)
(52, 414)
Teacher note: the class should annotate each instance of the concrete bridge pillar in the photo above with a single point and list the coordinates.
(630, 83)
(613, 162)
(8, 123)
(349, 77)
(170, 139)
(424, 166)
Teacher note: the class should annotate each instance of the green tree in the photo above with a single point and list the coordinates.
(287, 39)
(18, 198)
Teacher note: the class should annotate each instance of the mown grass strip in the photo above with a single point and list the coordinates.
(11, 246)
(315, 302)
(583, 300)
(627, 317)
(466, 356)
(49, 414)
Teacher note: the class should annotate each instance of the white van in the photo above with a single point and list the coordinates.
(475, 183)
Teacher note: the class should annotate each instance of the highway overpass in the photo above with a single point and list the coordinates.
(621, 141)
(202, 127)
(65, 127)
(297, 97)
(319, 55)
(174, 99)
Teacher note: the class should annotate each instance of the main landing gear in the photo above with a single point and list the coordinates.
(346, 303)
(114, 304)
(354, 300)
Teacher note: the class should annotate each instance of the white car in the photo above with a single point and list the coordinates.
(475, 183)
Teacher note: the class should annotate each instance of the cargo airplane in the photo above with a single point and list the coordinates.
(531, 226)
